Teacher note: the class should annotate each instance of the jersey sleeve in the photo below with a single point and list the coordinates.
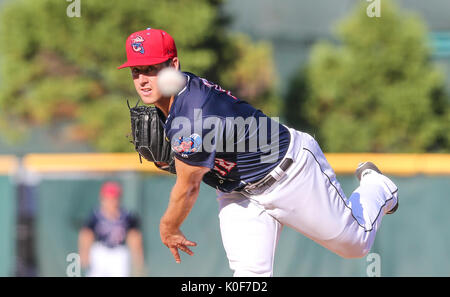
(198, 147)
(133, 222)
(91, 222)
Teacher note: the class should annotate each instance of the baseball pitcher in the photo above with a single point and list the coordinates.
(267, 175)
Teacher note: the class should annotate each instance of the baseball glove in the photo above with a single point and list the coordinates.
(149, 138)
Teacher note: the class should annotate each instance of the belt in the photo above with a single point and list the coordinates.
(269, 180)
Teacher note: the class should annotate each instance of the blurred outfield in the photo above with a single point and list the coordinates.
(412, 242)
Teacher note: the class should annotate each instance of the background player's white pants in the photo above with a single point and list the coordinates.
(308, 199)
(109, 262)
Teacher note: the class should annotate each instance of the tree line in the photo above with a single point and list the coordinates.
(374, 89)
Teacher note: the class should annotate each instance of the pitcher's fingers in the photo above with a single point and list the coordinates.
(175, 254)
(189, 243)
(186, 250)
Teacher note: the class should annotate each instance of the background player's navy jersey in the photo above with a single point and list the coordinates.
(203, 128)
(112, 232)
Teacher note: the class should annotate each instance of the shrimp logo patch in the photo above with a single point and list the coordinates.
(136, 44)
(186, 146)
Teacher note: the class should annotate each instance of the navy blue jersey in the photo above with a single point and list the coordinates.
(112, 232)
(209, 127)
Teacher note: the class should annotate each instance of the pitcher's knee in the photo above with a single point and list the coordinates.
(353, 250)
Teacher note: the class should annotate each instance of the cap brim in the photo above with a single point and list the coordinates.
(143, 62)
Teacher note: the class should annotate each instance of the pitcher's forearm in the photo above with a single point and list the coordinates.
(182, 199)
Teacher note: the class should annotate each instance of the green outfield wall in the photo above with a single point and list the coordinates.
(7, 226)
(412, 242)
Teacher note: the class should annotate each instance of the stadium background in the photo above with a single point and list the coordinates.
(43, 201)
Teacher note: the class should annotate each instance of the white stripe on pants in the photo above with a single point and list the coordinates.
(308, 199)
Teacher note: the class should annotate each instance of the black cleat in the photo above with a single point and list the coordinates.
(393, 209)
(363, 166)
(369, 165)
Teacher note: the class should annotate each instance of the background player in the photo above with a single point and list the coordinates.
(110, 237)
(258, 192)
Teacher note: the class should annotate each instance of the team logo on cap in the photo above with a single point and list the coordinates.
(187, 145)
(136, 44)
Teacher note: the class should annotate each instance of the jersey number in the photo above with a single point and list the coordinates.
(223, 167)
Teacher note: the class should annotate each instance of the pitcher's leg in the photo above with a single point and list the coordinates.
(375, 196)
(249, 236)
(312, 202)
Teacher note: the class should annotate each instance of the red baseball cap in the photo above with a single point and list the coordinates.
(149, 47)
(111, 190)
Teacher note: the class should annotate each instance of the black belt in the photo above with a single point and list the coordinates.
(266, 182)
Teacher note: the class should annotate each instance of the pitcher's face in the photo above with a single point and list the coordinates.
(144, 78)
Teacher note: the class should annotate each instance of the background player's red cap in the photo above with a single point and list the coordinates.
(111, 190)
(149, 47)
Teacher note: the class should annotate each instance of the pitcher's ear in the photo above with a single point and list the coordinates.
(176, 63)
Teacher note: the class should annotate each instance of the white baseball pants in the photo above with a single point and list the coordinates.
(109, 262)
(308, 199)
